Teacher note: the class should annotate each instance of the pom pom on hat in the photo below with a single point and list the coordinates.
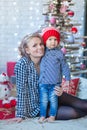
(49, 32)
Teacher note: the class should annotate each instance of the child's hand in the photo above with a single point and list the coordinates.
(58, 90)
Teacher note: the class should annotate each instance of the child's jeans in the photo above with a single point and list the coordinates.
(47, 94)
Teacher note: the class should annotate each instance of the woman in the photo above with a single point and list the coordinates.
(27, 76)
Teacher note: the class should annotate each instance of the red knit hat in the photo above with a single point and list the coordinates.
(48, 32)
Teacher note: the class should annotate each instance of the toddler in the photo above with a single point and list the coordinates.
(53, 66)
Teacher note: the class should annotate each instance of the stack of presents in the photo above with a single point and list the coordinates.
(7, 98)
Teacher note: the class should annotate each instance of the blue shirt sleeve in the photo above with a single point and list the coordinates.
(65, 67)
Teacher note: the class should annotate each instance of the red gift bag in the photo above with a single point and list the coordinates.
(6, 113)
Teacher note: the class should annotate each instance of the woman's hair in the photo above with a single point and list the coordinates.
(24, 43)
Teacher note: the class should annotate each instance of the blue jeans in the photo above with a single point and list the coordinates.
(47, 94)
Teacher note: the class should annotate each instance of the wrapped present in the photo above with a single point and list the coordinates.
(10, 68)
(6, 113)
(72, 88)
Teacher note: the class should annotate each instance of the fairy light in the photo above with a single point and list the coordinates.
(31, 8)
(31, 17)
(17, 26)
(14, 18)
(37, 11)
(17, 11)
(38, 18)
(72, 56)
(18, 43)
(15, 49)
(14, 3)
(32, 24)
(38, 4)
(16, 34)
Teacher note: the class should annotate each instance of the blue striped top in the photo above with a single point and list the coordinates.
(53, 66)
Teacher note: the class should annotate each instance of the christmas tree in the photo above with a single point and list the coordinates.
(57, 13)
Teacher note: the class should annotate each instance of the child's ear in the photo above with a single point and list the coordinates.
(27, 50)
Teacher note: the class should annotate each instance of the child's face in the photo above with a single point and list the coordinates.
(35, 48)
(51, 42)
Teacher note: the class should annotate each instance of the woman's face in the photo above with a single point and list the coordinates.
(35, 48)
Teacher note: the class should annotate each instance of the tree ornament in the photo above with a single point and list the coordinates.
(74, 30)
(82, 66)
(51, 6)
(63, 9)
(83, 44)
(69, 38)
(46, 18)
(71, 13)
(53, 20)
(63, 50)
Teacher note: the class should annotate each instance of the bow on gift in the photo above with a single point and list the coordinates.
(9, 103)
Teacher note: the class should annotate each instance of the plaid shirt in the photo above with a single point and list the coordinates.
(53, 66)
(27, 88)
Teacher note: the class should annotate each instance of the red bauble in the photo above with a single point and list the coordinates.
(7, 105)
(13, 103)
(71, 13)
(83, 44)
(74, 30)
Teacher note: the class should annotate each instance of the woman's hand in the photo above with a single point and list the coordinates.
(58, 90)
(16, 119)
(67, 83)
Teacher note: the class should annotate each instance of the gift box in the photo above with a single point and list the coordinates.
(6, 113)
(10, 68)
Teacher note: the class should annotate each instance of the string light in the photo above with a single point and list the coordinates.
(14, 3)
